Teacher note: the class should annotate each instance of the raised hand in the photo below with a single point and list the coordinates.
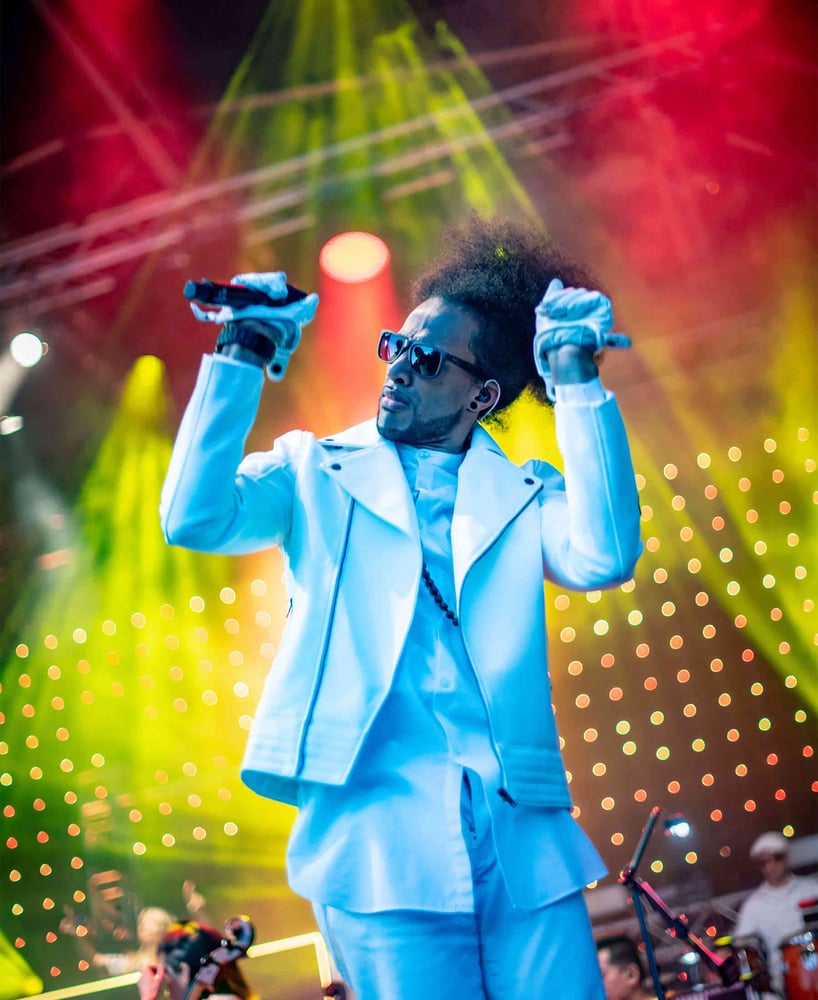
(580, 319)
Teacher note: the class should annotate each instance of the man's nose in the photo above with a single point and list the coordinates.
(400, 370)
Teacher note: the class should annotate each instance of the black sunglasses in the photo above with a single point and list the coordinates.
(424, 359)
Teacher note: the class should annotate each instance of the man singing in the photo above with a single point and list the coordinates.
(408, 712)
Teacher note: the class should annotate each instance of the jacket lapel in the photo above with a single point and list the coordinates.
(367, 467)
(491, 491)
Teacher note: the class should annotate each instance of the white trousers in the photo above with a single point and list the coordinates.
(498, 952)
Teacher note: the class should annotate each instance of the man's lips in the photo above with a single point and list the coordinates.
(392, 399)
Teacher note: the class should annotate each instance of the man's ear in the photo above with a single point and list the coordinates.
(489, 393)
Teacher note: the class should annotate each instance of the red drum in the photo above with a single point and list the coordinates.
(800, 957)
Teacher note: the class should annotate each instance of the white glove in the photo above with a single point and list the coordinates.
(284, 323)
(572, 316)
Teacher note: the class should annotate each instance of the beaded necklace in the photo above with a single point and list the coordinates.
(437, 597)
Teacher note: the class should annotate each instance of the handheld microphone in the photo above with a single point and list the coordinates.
(211, 293)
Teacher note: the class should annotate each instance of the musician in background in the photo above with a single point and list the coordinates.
(771, 911)
(181, 952)
(622, 968)
(151, 924)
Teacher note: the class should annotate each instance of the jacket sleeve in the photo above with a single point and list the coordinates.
(213, 499)
(591, 530)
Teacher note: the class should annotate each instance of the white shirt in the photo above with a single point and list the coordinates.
(391, 837)
(772, 914)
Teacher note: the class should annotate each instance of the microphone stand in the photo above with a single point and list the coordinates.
(640, 892)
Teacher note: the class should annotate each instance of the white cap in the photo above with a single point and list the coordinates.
(770, 843)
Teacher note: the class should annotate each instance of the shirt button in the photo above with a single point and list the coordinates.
(446, 683)
(423, 454)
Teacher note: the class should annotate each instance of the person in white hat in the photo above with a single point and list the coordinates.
(771, 911)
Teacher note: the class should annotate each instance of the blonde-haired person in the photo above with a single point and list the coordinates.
(151, 924)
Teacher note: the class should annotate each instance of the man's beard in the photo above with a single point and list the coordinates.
(421, 432)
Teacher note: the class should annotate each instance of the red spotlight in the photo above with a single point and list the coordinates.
(358, 299)
(354, 257)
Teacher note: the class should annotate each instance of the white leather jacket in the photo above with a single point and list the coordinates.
(341, 511)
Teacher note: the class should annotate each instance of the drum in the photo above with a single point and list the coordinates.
(748, 953)
(800, 958)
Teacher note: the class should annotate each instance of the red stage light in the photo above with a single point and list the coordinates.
(354, 257)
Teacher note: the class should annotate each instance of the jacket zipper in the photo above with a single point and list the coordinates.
(327, 629)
